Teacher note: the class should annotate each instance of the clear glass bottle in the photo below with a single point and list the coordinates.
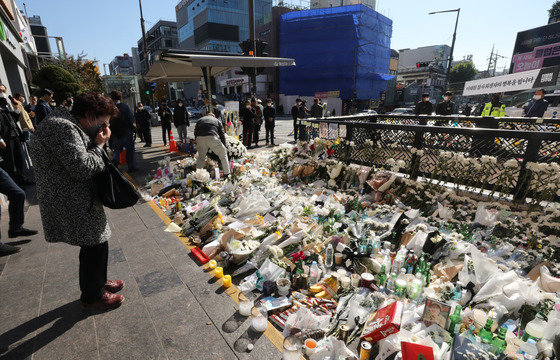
(329, 256)
(313, 274)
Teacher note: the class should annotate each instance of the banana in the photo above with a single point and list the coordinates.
(323, 294)
(315, 289)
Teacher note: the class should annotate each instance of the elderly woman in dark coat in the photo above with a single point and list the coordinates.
(66, 152)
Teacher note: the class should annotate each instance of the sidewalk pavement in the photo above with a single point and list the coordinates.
(173, 309)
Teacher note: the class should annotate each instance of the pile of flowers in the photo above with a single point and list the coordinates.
(346, 237)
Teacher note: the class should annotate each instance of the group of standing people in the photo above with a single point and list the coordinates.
(17, 122)
(300, 111)
(253, 115)
(180, 118)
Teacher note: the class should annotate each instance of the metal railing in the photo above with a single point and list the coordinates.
(486, 122)
(420, 147)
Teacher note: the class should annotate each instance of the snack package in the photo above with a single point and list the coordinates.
(383, 322)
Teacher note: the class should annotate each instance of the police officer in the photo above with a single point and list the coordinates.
(424, 107)
(494, 108)
(447, 106)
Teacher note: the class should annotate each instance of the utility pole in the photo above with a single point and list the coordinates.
(145, 46)
(490, 60)
(253, 88)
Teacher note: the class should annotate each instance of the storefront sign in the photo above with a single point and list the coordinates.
(536, 48)
(234, 82)
(513, 82)
(327, 94)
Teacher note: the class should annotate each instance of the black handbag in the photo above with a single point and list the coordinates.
(113, 189)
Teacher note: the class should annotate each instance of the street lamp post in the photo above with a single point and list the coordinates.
(458, 11)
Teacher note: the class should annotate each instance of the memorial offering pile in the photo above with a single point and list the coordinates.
(352, 262)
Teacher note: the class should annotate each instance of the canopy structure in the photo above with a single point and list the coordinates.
(188, 65)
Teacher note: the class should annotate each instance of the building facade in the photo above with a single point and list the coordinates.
(122, 65)
(318, 4)
(14, 72)
(39, 32)
(163, 35)
(428, 77)
(135, 60)
(350, 59)
(217, 25)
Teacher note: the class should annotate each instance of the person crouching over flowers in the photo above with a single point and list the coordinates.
(209, 135)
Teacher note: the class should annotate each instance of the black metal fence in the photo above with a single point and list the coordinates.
(486, 122)
(472, 157)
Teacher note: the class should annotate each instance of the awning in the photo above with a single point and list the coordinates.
(186, 65)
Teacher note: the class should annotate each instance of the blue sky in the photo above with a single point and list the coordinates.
(106, 28)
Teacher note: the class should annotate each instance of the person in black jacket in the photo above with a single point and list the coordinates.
(143, 119)
(537, 107)
(424, 107)
(269, 114)
(316, 109)
(297, 113)
(165, 115)
(12, 155)
(467, 110)
(181, 120)
(446, 107)
(247, 116)
(122, 132)
(43, 108)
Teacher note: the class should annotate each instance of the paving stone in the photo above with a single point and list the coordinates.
(116, 256)
(157, 281)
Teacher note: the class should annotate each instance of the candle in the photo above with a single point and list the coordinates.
(212, 264)
(218, 272)
(227, 281)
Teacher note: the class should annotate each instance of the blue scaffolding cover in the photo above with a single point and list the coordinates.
(323, 43)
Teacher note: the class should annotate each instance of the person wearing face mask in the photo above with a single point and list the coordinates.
(247, 116)
(67, 152)
(537, 106)
(43, 107)
(424, 107)
(181, 120)
(143, 118)
(269, 114)
(446, 107)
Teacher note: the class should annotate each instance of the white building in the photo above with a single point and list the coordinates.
(14, 73)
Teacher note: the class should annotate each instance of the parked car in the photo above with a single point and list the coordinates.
(402, 111)
(368, 112)
(194, 113)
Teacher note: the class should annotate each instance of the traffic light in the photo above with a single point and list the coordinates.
(151, 88)
(246, 47)
(261, 48)
(422, 64)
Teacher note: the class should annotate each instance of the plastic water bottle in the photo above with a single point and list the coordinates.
(313, 274)
(529, 349)
(329, 254)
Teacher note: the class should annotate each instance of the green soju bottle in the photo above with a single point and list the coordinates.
(455, 321)
(499, 341)
(382, 276)
(485, 333)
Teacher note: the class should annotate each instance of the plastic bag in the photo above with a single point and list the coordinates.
(269, 271)
(255, 203)
(331, 348)
(417, 242)
(444, 212)
(304, 320)
(484, 217)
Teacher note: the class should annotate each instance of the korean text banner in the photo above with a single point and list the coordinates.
(498, 84)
